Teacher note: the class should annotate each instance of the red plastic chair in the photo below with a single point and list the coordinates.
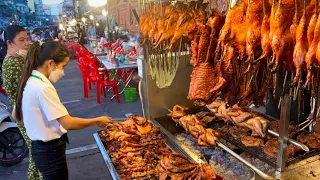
(102, 84)
(84, 52)
(87, 79)
(94, 60)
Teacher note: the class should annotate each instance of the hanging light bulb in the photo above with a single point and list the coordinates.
(104, 12)
(97, 3)
(97, 24)
(91, 17)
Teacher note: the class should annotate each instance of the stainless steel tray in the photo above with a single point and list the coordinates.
(167, 136)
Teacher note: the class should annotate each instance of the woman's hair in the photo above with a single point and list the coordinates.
(9, 33)
(37, 55)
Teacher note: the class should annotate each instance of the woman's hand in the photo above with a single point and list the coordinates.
(104, 121)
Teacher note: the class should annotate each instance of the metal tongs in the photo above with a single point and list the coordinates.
(237, 156)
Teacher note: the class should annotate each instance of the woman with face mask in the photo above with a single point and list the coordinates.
(38, 107)
(16, 47)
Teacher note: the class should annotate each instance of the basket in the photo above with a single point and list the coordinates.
(130, 94)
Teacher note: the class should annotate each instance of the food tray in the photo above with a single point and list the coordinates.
(115, 176)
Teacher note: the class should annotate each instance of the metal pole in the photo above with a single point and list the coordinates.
(283, 134)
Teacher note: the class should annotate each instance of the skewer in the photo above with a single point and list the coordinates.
(292, 141)
(310, 122)
(255, 169)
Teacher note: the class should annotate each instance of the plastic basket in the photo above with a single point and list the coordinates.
(130, 94)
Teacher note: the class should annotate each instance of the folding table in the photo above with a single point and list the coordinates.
(124, 82)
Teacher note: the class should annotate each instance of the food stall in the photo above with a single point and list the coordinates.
(203, 83)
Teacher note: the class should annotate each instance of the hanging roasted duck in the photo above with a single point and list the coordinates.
(254, 17)
(282, 42)
(301, 46)
(313, 46)
(265, 31)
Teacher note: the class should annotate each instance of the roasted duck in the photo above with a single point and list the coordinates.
(265, 30)
(202, 81)
(254, 15)
(313, 57)
(282, 41)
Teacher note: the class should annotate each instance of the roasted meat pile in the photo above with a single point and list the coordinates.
(192, 125)
(311, 140)
(271, 149)
(258, 125)
(136, 150)
(176, 166)
(135, 147)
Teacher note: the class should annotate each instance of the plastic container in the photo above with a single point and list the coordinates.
(130, 94)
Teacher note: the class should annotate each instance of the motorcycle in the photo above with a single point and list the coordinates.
(13, 148)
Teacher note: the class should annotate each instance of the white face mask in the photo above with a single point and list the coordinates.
(56, 75)
(23, 53)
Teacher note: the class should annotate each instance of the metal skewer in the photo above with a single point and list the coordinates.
(292, 141)
(255, 169)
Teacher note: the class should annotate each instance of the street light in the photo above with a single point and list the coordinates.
(97, 24)
(104, 12)
(97, 3)
(91, 17)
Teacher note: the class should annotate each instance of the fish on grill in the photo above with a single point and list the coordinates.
(311, 140)
(250, 141)
(271, 149)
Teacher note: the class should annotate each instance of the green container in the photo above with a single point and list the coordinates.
(130, 94)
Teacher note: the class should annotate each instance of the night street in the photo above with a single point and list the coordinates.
(84, 159)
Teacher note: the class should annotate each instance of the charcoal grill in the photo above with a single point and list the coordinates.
(256, 152)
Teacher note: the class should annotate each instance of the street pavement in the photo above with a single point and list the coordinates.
(84, 159)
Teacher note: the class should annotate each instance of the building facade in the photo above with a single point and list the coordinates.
(15, 12)
(68, 8)
(121, 11)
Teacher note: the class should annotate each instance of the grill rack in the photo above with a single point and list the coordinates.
(256, 152)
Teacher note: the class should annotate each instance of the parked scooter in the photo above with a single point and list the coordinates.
(13, 148)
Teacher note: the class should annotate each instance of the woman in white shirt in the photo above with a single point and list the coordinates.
(38, 107)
